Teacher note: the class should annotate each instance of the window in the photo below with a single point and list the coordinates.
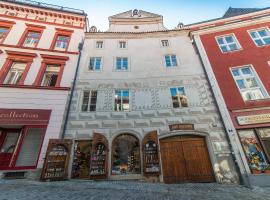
(179, 98)
(3, 33)
(121, 64)
(89, 101)
(171, 60)
(121, 100)
(260, 37)
(61, 42)
(50, 76)
(256, 145)
(95, 64)
(122, 45)
(99, 44)
(165, 43)
(15, 73)
(228, 43)
(248, 83)
(31, 39)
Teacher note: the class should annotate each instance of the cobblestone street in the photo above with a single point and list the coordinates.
(124, 190)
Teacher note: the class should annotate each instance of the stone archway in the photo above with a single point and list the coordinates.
(125, 155)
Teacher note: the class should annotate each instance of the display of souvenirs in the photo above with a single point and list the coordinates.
(81, 159)
(98, 160)
(253, 150)
(151, 159)
(56, 162)
(125, 155)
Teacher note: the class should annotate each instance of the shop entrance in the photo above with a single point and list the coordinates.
(81, 159)
(126, 155)
(185, 159)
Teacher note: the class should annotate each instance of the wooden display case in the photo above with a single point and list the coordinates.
(99, 157)
(151, 164)
(55, 166)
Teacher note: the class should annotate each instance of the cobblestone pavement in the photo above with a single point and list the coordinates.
(124, 190)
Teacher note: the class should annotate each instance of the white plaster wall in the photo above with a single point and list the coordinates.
(15, 98)
(142, 27)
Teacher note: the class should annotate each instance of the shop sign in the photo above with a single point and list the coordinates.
(174, 127)
(253, 119)
(24, 116)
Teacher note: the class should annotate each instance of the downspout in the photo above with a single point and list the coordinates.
(243, 178)
(80, 47)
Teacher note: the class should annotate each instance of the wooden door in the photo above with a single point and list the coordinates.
(185, 159)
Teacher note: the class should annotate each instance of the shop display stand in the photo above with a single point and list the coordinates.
(151, 155)
(55, 166)
(99, 158)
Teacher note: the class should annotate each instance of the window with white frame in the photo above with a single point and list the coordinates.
(121, 63)
(260, 37)
(179, 98)
(61, 42)
(3, 33)
(99, 44)
(121, 100)
(122, 44)
(171, 60)
(89, 101)
(51, 75)
(31, 39)
(165, 43)
(248, 83)
(15, 73)
(95, 64)
(228, 43)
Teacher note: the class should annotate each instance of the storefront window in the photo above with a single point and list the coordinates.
(254, 152)
(264, 135)
(125, 155)
(81, 159)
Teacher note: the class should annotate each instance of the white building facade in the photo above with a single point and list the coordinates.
(142, 107)
(38, 59)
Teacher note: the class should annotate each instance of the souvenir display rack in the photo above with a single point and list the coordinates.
(151, 155)
(55, 166)
(99, 157)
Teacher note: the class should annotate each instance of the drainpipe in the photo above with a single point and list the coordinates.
(80, 47)
(243, 178)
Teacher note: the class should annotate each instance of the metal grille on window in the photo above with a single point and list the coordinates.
(89, 101)
(179, 98)
(32, 39)
(121, 100)
(51, 75)
(15, 73)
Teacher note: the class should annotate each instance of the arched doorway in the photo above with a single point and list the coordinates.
(126, 155)
(185, 158)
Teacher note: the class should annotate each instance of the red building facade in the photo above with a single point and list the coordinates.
(235, 51)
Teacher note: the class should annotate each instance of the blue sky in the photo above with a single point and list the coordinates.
(173, 11)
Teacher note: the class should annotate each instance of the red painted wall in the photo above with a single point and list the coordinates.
(249, 54)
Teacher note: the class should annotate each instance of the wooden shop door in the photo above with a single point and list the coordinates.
(185, 159)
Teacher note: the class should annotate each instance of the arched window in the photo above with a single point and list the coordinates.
(126, 155)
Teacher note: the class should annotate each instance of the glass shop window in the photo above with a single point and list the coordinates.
(125, 155)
